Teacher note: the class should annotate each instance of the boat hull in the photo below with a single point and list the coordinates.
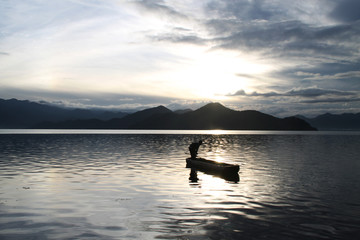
(205, 165)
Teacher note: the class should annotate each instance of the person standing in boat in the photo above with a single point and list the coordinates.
(193, 148)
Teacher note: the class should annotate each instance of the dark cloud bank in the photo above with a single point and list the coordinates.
(306, 93)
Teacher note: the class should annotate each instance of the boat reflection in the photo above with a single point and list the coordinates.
(230, 177)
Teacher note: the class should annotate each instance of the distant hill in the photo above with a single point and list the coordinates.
(181, 111)
(211, 116)
(328, 121)
(25, 114)
(130, 121)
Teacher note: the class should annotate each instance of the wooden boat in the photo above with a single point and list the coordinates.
(205, 165)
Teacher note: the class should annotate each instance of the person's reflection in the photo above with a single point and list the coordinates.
(193, 176)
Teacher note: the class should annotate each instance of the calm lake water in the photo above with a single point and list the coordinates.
(134, 185)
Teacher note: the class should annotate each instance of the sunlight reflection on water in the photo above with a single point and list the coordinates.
(123, 186)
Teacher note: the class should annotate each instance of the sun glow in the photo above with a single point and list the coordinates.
(216, 132)
(213, 74)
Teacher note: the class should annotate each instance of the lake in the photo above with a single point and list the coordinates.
(58, 184)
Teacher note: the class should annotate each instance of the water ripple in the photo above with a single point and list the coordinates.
(136, 186)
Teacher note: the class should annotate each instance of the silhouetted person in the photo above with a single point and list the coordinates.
(193, 148)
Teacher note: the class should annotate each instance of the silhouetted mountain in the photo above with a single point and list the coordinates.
(25, 114)
(182, 111)
(211, 116)
(328, 121)
(216, 116)
(132, 120)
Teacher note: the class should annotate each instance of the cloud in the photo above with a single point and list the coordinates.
(318, 76)
(347, 10)
(336, 75)
(283, 33)
(160, 8)
(4, 53)
(291, 39)
(304, 93)
(243, 9)
(179, 38)
(333, 100)
(249, 76)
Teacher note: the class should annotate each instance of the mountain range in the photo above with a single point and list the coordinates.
(25, 114)
(332, 122)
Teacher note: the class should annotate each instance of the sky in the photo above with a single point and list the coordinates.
(276, 56)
